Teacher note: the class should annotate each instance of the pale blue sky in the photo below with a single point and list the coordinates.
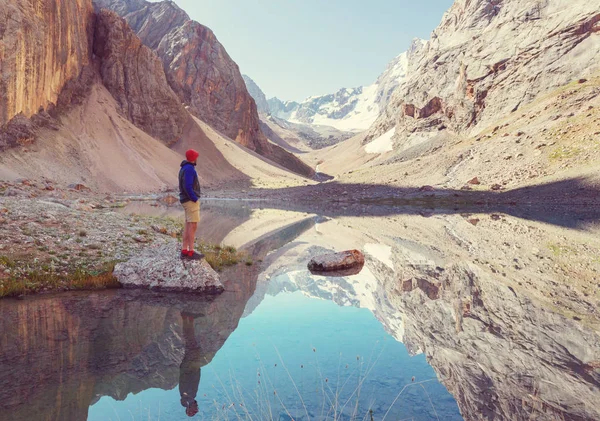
(298, 48)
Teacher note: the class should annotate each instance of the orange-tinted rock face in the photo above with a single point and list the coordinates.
(134, 76)
(43, 44)
(213, 86)
(198, 68)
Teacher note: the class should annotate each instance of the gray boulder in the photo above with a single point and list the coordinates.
(160, 268)
(351, 260)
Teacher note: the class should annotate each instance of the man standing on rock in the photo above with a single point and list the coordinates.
(189, 196)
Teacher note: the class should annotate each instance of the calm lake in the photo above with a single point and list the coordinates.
(474, 314)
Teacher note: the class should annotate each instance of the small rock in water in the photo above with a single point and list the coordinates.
(350, 262)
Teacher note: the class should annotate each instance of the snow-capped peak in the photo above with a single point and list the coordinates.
(349, 109)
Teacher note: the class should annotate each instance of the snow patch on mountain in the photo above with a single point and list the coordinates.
(382, 144)
(348, 110)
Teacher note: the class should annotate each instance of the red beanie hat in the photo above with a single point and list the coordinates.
(191, 155)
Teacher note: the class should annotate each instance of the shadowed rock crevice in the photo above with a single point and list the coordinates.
(134, 76)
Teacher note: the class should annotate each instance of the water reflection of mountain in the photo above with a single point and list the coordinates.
(502, 354)
(504, 309)
(59, 355)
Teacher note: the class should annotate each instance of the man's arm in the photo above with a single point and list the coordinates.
(188, 185)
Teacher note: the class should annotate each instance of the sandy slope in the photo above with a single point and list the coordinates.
(344, 157)
(261, 171)
(99, 148)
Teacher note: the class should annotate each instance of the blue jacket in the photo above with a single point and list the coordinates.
(189, 186)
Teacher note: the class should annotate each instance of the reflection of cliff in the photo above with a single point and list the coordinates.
(502, 308)
(58, 355)
(502, 355)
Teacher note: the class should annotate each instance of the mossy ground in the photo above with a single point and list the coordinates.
(34, 276)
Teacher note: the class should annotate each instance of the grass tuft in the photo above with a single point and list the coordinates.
(219, 257)
(7, 262)
(565, 153)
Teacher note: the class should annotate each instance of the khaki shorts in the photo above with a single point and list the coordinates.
(192, 211)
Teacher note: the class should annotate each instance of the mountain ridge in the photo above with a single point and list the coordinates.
(109, 119)
(348, 109)
(475, 69)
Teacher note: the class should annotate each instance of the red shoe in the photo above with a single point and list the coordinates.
(195, 256)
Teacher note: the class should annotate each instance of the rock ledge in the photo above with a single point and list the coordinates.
(161, 269)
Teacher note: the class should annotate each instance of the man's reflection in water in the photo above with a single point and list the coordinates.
(189, 371)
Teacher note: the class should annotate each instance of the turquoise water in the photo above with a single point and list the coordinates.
(296, 357)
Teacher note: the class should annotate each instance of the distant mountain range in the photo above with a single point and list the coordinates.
(348, 109)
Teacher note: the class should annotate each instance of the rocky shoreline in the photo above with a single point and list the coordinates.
(57, 238)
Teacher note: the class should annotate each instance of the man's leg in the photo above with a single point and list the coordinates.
(192, 215)
(186, 238)
(192, 228)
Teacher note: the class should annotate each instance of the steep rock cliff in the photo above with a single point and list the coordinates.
(134, 76)
(43, 45)
(489, 58)
(202, 74)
